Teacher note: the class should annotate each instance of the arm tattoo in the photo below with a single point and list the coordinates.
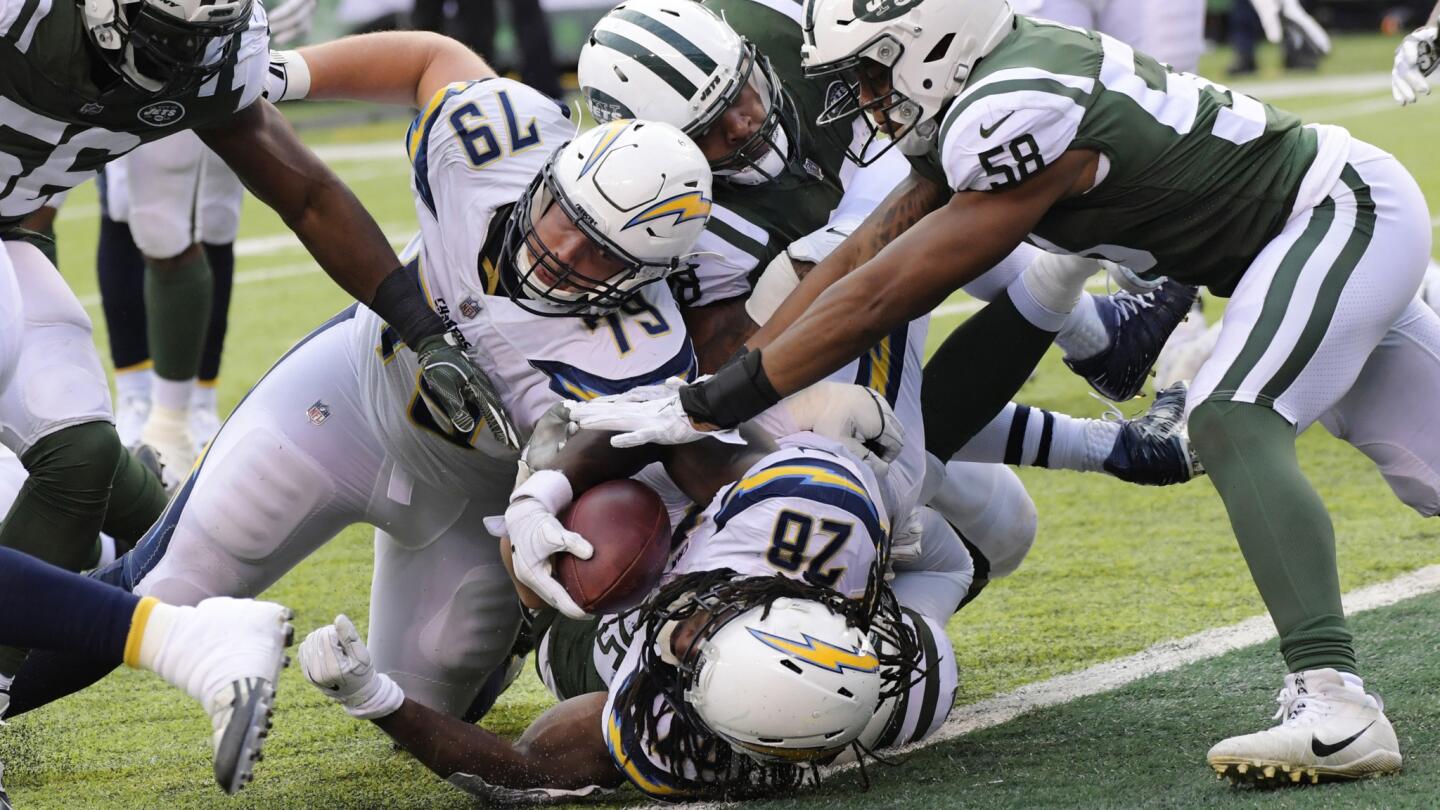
(915, 197)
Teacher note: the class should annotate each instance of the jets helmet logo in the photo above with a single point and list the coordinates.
(819, 653)
(161, 113)
(882, 10)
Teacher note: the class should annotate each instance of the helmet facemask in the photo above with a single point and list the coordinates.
(858, 75)
(763, 156)
(544, 278)
(159, 53)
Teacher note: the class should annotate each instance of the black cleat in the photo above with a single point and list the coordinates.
(1154, 448)
(1138, 326)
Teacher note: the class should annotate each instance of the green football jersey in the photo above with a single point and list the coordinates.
(57, 127)
(1194, 180)
(750, 225)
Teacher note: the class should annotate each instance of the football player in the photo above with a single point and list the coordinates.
(543, 261)
(1320, 242)
(772, 645)
(170, 211)
(1415, 60)
(80, 85)
(225, 653)
(727, 72)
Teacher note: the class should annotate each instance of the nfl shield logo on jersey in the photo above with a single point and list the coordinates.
(92, 108)
(161, 113)
(318, 412)
(470, 307)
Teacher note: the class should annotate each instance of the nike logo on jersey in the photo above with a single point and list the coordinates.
(1326, 749)
(985, 133)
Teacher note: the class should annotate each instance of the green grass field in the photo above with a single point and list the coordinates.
(1115, 569)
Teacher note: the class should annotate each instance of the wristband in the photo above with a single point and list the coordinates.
(399, 302)
(550, 487)
(385, 698)
(288, 78)
(737, 392)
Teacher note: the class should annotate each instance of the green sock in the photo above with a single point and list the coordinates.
(136, 500)
(177, 312)
(60, 509)
(1282, 526)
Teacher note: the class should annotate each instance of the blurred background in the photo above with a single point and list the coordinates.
(505, 31)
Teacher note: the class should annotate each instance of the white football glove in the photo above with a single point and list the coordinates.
(338, 663)
(853, 415)
(536, 535)
(659, 420)
(290, 21)
(1280, 18)
(905, 540)
(1414, 60)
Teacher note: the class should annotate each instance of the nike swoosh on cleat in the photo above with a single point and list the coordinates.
(1321, 749)
(985, 133)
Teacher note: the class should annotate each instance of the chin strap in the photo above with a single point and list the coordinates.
(100, 20)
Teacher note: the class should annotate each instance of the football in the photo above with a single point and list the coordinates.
(628, 526)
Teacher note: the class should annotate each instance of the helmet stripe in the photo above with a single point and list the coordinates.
(647, 59)
(670, 37)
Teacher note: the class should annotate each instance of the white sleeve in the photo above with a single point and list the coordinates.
(729, 251)
(1000, 140)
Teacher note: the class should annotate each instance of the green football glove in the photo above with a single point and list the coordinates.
(456, 391)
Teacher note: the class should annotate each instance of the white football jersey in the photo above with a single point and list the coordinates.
(475, 150)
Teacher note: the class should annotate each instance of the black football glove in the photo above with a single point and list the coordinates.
(456, 391)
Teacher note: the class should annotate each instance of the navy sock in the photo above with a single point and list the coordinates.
(121, 268)
(43, 607)
(222, 269)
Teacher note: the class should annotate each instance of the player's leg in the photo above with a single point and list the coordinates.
(443, 612)
(935, 583)
(1173, 31)
(991, 511)
(226, 653)
(275, 485)
(121, 270)
(1390, 413)
(164, 179)
(221, 196)
(1298, 329)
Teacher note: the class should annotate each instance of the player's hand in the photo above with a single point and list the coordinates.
(1414, 60)
(853, 415)
(338, 663)
(1288, 20)
(659, 420)
(290, 21)
(536, 535)
(455, 390)
(906, 540)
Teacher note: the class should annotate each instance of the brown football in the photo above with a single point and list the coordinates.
(626, 523)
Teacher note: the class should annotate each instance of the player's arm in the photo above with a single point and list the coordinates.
(911, 200)
(390, 67)
(563, 749)
(718, 331)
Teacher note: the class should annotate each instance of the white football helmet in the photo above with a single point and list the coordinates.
(926, 46)
(166, 47)
(678, 62)
(797, 683)
(639, 190)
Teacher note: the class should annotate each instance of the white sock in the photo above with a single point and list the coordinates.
(134, 383)
(1083, 336)
(203, 398)
(1081, 444)
(1050, 287)
(172, 394)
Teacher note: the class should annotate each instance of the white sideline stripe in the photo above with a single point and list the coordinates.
(1293, 88)
(1153, 660)
(265, 274)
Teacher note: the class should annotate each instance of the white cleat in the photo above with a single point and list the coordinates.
(168, 431)
(1328, 731)
(131, 413)
(228, 653)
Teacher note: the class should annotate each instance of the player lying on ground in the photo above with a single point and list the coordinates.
(225, 653)
(540, 259)
(763, 653)
(1078, 142)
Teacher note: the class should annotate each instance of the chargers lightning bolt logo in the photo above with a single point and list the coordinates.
(684, 207)
(819, 653)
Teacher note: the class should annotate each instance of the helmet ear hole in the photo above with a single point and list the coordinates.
(941, 48)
